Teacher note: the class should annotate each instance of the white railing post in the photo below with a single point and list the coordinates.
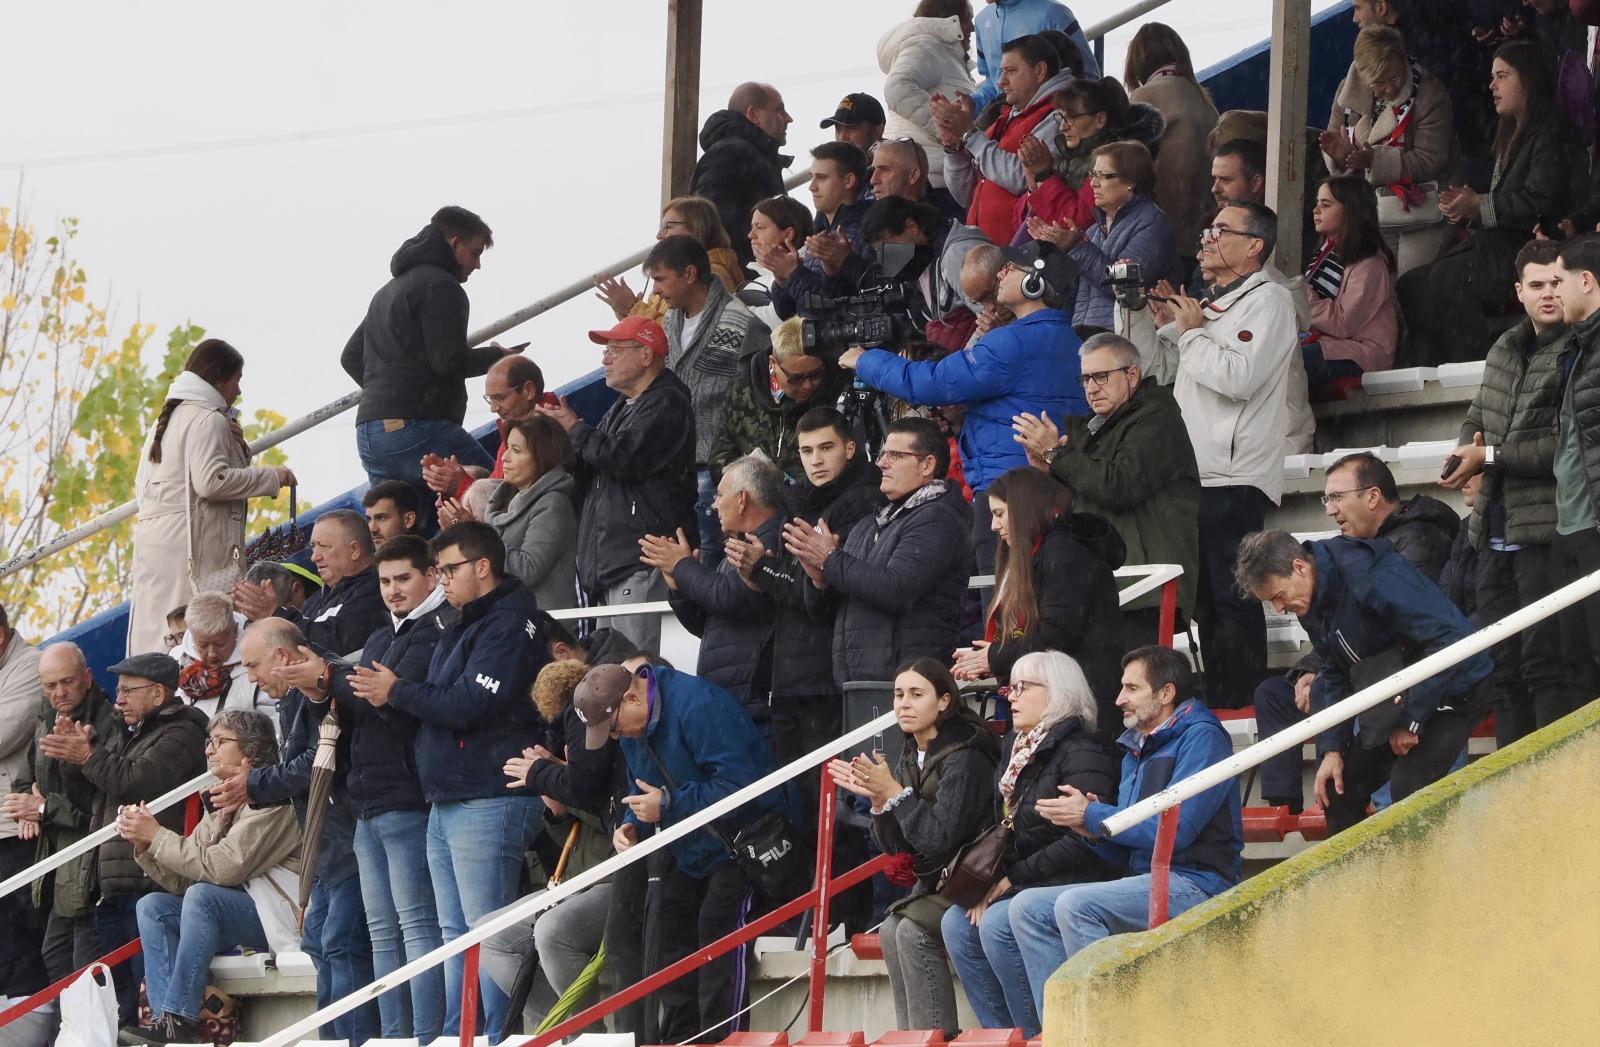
(1302, 732)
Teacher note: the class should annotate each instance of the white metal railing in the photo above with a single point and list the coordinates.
(101, 835)
(1120, 19)
(528, 907)
(1151, 577)
(312, 419)
(1302, 732)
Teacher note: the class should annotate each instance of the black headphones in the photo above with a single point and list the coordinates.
(1033, 285)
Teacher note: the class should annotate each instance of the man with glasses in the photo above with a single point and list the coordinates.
(1231, 358)
(637, 469)
(162, 747)
(1028, 366)
(513, 387)
(473, 715)
(900, 576)
(1131, 462)
(773, 387)
(1369, 614)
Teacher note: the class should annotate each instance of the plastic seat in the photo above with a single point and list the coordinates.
(1269, 824)
(910, 1038)
(832, 1039)
(1247, 712)
(990, 1038)
(757, 1039)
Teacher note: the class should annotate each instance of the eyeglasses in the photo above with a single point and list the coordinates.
(213, 744)
(172, 639)
(1069, 117)
(887, 455)
(1212, 233)
(496, 399)
(1023, 685)
(809, 378)
(448, 570)
(1099, 377)
(1335, 497)
(665, 225)
(620, 347)
(123, 692)
(1103, 176)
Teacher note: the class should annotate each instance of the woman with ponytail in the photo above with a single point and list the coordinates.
(1055, 587)
(193, 481)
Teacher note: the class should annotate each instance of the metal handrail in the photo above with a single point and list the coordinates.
(1122, 18)
(102, 835)
(1351, 707)
(527, 908)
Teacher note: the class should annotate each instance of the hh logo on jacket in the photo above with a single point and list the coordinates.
(489, 683)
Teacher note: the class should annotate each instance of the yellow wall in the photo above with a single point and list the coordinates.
(1470, 914)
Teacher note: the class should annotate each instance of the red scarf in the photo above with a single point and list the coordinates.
(200, 681)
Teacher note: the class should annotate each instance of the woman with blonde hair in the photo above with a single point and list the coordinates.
(683, 216)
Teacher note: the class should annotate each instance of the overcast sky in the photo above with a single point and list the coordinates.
(253, 168)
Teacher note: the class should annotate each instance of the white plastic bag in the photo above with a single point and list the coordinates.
(89, 1010)
(274, 892)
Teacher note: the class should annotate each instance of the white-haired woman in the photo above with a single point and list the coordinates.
(1052, 743)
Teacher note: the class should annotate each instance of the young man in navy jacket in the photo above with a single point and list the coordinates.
(473, 714)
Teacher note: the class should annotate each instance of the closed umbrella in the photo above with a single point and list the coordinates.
(317, 804)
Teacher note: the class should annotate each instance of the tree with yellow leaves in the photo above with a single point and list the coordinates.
(75, 405)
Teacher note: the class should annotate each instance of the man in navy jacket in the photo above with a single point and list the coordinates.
(688, 744)
(1359, 599)
(1168, 738)
(473, 714)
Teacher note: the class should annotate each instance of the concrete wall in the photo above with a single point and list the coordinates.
(1467, 914)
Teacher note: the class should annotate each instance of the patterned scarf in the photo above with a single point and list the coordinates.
(201, 682)
(928, 492)
(1021, 753)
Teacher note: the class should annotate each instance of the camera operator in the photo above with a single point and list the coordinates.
(942, 246)
(1030, 365)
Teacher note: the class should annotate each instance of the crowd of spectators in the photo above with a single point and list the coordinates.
(1108, 369)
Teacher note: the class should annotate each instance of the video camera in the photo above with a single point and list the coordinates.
(1128, 286)
(886, 310)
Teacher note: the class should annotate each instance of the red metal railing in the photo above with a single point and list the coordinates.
(1161, 866)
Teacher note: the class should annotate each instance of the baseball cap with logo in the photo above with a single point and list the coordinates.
(596, 701)
(855, 109)
(639, 329)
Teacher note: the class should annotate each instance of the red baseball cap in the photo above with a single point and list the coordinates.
(639, 329)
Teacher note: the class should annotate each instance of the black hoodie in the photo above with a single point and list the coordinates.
(410, 355)
(739, 166)
(1422, 530)
(1079, 609)
(802, 659)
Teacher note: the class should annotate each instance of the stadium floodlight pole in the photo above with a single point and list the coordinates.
(1353, 706)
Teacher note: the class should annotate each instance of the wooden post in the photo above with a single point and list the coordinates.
(1288, 80)
(680, 123)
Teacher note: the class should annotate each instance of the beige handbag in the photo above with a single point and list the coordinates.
(1397, 212)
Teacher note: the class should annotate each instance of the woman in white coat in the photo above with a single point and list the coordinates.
(929, 53)
(192, 485)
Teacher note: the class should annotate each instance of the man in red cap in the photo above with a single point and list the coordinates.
(637, 468)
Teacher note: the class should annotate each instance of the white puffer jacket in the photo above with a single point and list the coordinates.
(921, 57)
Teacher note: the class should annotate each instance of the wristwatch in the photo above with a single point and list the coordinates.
(1050, 455)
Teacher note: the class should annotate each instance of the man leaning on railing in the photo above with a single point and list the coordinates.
(1370, 614)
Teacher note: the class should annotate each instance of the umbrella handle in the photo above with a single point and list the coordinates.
(566, 852)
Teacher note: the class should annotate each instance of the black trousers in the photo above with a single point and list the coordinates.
(1533, 684)
(686, 913)
(70, 942)
(1365, 770)
(1571, 557)
(625, 960)
(21, 969)
(1233, 627)
(1282, 776)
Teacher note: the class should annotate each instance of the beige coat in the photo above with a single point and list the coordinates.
(20, 695)
(227, 850)
(1183, 162)
(1430, 142)
(211, 505)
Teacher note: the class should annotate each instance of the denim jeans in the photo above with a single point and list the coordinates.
(398, 894)
(475, 850)
(919, 976)
(117, 922)
(180, 935)
(397, 454)
(990, 966)
(1050, 924)
(710, 537)
(334, 935)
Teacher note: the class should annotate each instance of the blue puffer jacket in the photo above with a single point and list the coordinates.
(1140, 231)
(1030, 365)
(474, 710)
(1210, 826)
(1369, 598)
(710, 749)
